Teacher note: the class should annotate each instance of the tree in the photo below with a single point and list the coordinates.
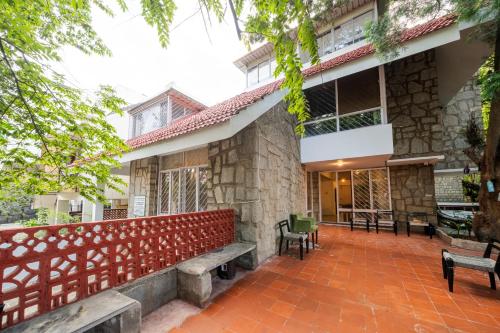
(46, 124)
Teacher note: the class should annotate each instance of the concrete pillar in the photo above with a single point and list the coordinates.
(62, 206)
(92, 211)
(87, 207)
(97, 211)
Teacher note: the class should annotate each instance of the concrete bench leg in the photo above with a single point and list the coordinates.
(195, 289)
(126, 322)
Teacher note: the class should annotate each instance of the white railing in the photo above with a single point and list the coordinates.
(336, 123)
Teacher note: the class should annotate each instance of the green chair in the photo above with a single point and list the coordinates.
(305, 224)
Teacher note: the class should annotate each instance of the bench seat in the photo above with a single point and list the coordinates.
(194, 281)
(476, 263)
(112, 311)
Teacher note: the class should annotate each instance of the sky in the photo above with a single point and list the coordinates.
(199, 64)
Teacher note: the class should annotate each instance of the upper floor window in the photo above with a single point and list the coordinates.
(150, 119)
(340, 36)
(261, 72)
(157, 116)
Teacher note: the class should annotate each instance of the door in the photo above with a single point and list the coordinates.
(328, 188)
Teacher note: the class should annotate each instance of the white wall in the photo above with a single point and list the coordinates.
(361, 142)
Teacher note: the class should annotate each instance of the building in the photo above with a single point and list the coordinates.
(381, 133)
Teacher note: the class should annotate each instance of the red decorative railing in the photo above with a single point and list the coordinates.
(115, 213)
(42, 268)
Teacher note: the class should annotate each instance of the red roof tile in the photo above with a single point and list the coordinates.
(223, 111)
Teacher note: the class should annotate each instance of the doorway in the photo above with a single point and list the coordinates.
(328, 196)
(344, 195)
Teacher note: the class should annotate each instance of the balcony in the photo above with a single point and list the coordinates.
(358, 135)
(332, 124)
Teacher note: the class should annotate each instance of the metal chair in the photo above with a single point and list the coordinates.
(289, 236)
(378, 222)
(485, 264)
(410, 221)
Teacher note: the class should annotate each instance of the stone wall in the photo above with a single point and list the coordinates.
(412, 190)
(457, 113)
(258, 173)
(144, 181)
(413, 106)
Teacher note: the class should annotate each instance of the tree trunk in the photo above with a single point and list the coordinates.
(486, 223)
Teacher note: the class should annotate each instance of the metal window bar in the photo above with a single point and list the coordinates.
(360, 119)
(348, 121)
(202, 189)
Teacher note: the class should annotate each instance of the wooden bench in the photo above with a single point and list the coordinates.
(108, 311)
(194, 281)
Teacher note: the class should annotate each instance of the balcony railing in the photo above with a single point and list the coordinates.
(353, 120)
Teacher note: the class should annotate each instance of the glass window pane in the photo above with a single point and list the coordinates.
(304, 55)
(380, 189)
(359, 24)
(177, 110)
(188, 190)
(359, 91)
(165, 192)
(174, 201)
(163, 114)
(321, 100)
(325, 44)
(202, 189)
(361, 181)
(263, 70)
(343, 35)
(273, 66)
(253, 76)
(138, 124)
(345, 190)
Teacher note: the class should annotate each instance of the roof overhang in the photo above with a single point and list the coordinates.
(426, 160)
(202, 137)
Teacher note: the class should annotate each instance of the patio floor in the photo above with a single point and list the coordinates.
(355, 282)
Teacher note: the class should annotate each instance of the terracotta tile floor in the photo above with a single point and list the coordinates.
(355, 282)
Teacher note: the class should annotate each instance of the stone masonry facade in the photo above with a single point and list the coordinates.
(412, 190)
(457, 113)
(415, 112)
(413, 106)
(144, 182)
(422, 127)
(258, 173)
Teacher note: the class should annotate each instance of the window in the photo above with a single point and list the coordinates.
(151, 119)
(264, 70)
(273, 66)
(178, 110)
(359, 24)
(183, 190)
(261, 72)
(325, 44)
(351, 31)
(157, 116)
(359, 91)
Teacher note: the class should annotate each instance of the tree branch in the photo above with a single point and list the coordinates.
(25, 102)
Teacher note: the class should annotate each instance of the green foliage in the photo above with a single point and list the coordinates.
(470, 186)
(15, 202)
(44, 215)
(484, 79)
(45, 124)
